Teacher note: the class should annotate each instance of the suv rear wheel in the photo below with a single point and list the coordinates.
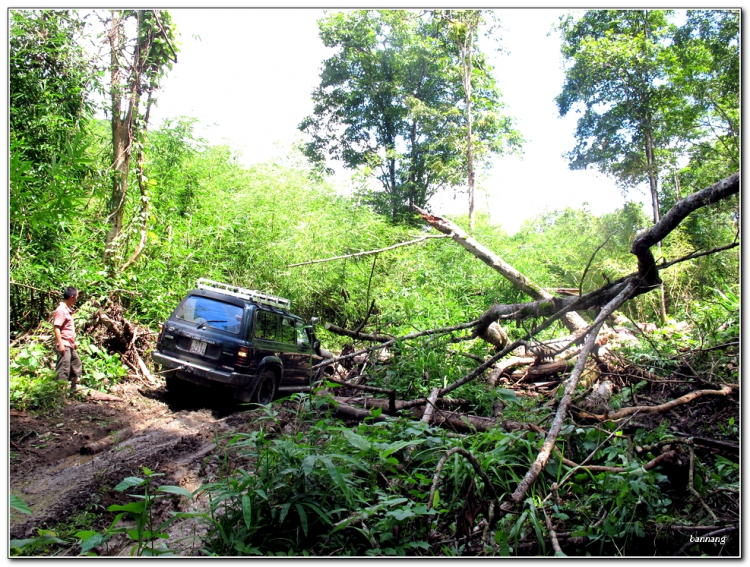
(266, 389)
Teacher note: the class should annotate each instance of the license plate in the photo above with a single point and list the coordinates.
(198, 347)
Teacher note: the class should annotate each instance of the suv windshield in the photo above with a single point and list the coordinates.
(211, 313)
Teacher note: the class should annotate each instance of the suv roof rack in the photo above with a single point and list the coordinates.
(242, 293)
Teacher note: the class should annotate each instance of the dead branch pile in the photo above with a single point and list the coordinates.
(584, 358)
(113, 332)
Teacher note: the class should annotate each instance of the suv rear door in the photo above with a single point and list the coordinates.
(206, 330)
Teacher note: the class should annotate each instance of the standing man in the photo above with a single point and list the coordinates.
(68, 364)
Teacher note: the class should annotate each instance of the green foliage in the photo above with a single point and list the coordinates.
(348, 491)
(633, 116)
(33, 381)
(49, 72)
(146, 534)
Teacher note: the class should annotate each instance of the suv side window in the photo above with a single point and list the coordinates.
(265, 325)
(303, 339)
(288, 334)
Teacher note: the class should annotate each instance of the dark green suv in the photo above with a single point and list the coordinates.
(236, 338)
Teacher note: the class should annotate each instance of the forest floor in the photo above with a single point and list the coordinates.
(67, 489)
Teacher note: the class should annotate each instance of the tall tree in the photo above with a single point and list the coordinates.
(137, 64)
(634, 121)
(707, 71)
(463, 26)
(389, 102)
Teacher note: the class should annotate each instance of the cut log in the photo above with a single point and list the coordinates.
(107, 442)
(495, 335)
(99, 396)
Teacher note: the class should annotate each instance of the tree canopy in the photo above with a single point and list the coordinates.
(389, 102)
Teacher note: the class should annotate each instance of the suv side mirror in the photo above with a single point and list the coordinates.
(314, 320)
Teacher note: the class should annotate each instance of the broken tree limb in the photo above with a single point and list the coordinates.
(562, 409)
(512, 362)
(97, 395)
(544, 370)
(647, 268)
(368, 252)
(479, 370)
(349, 412)
(391, 393)
(653, 463)
(442, 418)
(552, 535)
(356, 334)
(144, 369)
(697, 255)
(474, 463)
(573, 321)
(725, 391)
(641, 247)
(444, 330)
(430, 408)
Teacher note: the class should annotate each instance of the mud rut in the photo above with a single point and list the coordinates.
(173, 438)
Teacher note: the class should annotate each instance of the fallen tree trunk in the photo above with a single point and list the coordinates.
(545, 370)
(572, 321)
(441, 417)
(647, 268)
(725, 391)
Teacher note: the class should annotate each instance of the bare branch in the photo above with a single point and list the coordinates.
(369, 252)
(586, 269)
(356, 334)
(697, 255)
(725, 391)
(444, 331)
(474, 463)
(572, 320)
(562, 408)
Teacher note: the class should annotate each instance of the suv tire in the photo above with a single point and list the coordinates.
(266, 389)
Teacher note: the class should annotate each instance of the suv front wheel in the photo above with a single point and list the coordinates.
(266, 388)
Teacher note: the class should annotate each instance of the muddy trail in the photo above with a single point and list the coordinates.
(53, 469)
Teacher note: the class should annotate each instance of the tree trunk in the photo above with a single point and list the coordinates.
(144, 192)
(121, 130)
(572, 321)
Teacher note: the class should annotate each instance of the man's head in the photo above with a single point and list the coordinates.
(70, 295)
